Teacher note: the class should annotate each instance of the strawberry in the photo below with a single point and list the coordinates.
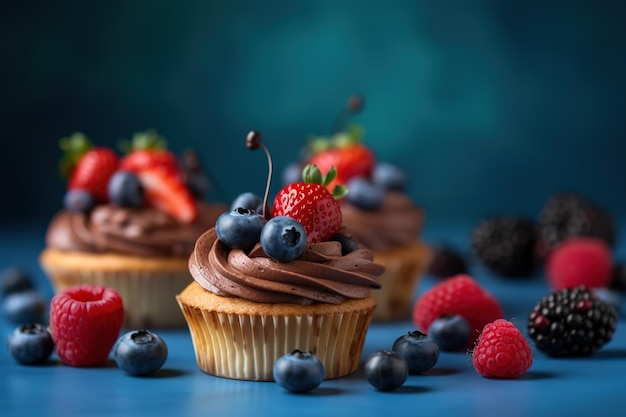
(148, 150)
(93, 171)
(85, 322)
(311, 204)
(460, 295)
(166, 191)
(501, 351)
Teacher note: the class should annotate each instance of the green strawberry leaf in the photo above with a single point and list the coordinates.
(73, 147)
(149, 139)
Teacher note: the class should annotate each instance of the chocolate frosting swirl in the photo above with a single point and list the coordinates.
(131, 231)
(320, 274)
(398, 222)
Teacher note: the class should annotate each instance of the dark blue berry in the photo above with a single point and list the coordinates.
(30, 344)
(240, 228)
(283, 238)
(125, 189)
(386, 370)
(419, 350)
(198, 184)
(78, 201)
(389, 177)
(451, 332)
(248, 201)
(298, 371)
(15, 279)
(348, 244)
(140, 352)
(364, 194)
(23, 307)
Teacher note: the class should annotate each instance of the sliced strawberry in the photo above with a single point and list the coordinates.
(167, 192)
(93, 171)
(141, 159)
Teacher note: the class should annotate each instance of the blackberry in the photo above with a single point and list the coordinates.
(618, 279)
(446, 262)
(505, 245)
(568, 215)
(571, 322)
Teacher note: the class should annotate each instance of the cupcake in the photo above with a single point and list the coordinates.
(378, 212)
(267, 285)
(130, 223)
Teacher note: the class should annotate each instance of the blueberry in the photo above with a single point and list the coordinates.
(240, 228)
(364, 194)
(30, 344)
(140, 352)
(15, 279)
(451, 332)
(198, 184)
(125, 189)
(348, 244)
(22, 307)
(419, 350)
(283, 238)
(248, 201)
(386, 370)
(389, 177)
(78, 201)
(298, 371)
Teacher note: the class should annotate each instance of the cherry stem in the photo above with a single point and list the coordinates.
(253, 142)
(353, 105)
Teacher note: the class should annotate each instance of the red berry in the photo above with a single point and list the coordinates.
(93, 171)
(502, 351)
(313, 206)
(141, 159)
(580, 261)
(166, 191)
(461, 295)
(356, 160)
(85, 322)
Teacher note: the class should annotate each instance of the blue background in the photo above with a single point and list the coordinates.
(491, 106)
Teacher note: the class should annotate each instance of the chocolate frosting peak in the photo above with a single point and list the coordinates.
(321, 274)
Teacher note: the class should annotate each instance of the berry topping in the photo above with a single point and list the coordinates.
(569, 215)
(30, 344)
(580, 261)
(446, 262)
(348, 244)
(460, 295)
(420, 351)
(283, 239)
(125, 189)
(22, 307)
(194, 175)
(147, 150)
(140, 352)
(386, 370)
(240, 228)
(451, 332)
(571, 322)
(298, 371)
(167, 192)
(389, 177)
(502, 351)
(85, 322)
(364, 194)
(311, 204)
(505, 245)
(248, 201)
(78, 201)
(93, 171)
(350, 160)
(15, 279)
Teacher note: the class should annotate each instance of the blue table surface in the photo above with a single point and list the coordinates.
(571, 387)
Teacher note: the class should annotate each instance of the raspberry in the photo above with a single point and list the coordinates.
(568, 215)
(502, 351)
(505, 245)
(460, 295)
(85, 322)
(580, 261)
(571, 322)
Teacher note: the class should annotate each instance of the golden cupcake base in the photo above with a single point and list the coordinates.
(239, 339)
